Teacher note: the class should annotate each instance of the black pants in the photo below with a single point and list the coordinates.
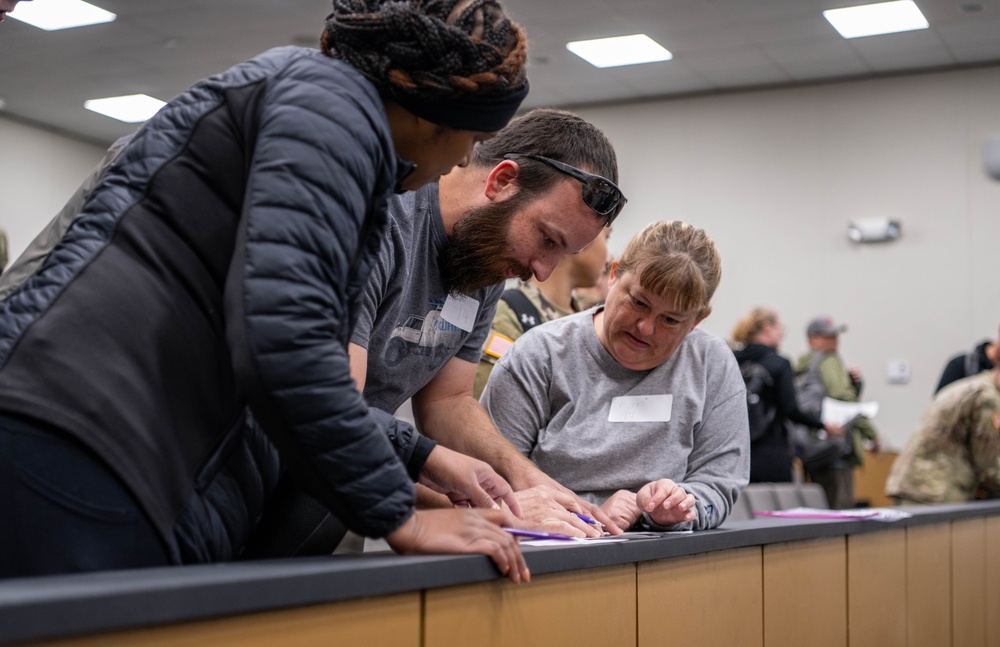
(294, 525)
(770, 461)
(62, 510)
(838, 483)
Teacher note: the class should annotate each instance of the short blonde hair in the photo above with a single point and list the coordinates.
(676, 260)
(750, 326)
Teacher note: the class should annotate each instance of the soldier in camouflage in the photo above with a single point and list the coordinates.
(550, 300)
(955, 456)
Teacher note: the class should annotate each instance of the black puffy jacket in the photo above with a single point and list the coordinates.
(217, 266)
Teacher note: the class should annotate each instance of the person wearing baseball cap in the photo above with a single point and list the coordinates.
(840, 383)
(824, 326)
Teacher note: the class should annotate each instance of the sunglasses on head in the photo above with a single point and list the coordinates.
(599, 193)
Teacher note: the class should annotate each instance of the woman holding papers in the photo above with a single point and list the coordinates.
(627, 404)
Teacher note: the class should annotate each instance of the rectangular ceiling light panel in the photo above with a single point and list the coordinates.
(131, 108)
(52, 15)
(875, 19)
(620, 50)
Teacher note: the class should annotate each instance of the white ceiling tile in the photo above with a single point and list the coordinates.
(740, 10)
(811, 27)
(820, 69)
(981, 51)
(737, 67)
(980, 30)
(803, 51)
(907, 40)
(893, 61)
(908, 50)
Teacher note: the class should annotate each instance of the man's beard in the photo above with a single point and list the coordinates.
(476, 254)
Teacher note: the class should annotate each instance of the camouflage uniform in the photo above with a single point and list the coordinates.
(957, 449)
(506, 324)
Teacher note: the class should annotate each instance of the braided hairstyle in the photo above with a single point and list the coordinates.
(429, 50)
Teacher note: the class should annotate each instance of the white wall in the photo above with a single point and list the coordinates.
(39, 171)
(775, 176)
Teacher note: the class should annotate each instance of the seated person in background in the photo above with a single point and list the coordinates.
(956, 452)
(968, 364)
(629, 405)
(760, 334)
(535, 302)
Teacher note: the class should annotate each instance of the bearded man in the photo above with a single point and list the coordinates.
(542, 188)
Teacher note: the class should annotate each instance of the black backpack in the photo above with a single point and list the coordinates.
(816, 453)
(760, 411)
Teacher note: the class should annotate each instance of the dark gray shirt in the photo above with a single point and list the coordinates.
(401, 323)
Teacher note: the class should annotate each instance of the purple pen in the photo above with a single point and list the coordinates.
(585, 519)
(534, 534)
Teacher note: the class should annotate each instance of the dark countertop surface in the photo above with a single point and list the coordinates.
(69, 605)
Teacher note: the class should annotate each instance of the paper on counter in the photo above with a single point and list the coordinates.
(876, 514)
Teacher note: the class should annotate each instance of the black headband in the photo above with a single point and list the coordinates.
(478, 113)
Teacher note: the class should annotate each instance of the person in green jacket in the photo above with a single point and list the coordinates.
(841, 383)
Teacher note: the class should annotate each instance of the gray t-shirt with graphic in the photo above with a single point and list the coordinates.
(400, 321)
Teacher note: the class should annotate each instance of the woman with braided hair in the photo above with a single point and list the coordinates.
(181, 342)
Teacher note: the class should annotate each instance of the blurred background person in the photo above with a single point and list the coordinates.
(955, 455)
(839, 383)
(759, 336)
(596, 295)
(968, 364)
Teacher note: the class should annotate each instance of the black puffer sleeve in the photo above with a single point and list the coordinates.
(312, 219)
(411, 447)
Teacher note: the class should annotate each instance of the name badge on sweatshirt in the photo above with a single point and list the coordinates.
(641, 408)
(461, 311)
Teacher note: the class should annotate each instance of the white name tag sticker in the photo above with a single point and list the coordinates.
(461, 311)
(641, 408)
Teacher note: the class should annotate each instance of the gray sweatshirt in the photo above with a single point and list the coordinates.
(551, 396)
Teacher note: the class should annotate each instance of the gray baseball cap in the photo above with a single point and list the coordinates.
(824, 326)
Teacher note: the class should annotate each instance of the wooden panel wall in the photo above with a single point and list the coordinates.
(580, 608)
(923, 586)
(968, 583)
(389, 621)
(928, 586)
(718, 595)
(805, 593)
(876, 588)
(993, 582)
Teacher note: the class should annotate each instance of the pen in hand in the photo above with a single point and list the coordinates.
(589, 520)
(534, 534)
